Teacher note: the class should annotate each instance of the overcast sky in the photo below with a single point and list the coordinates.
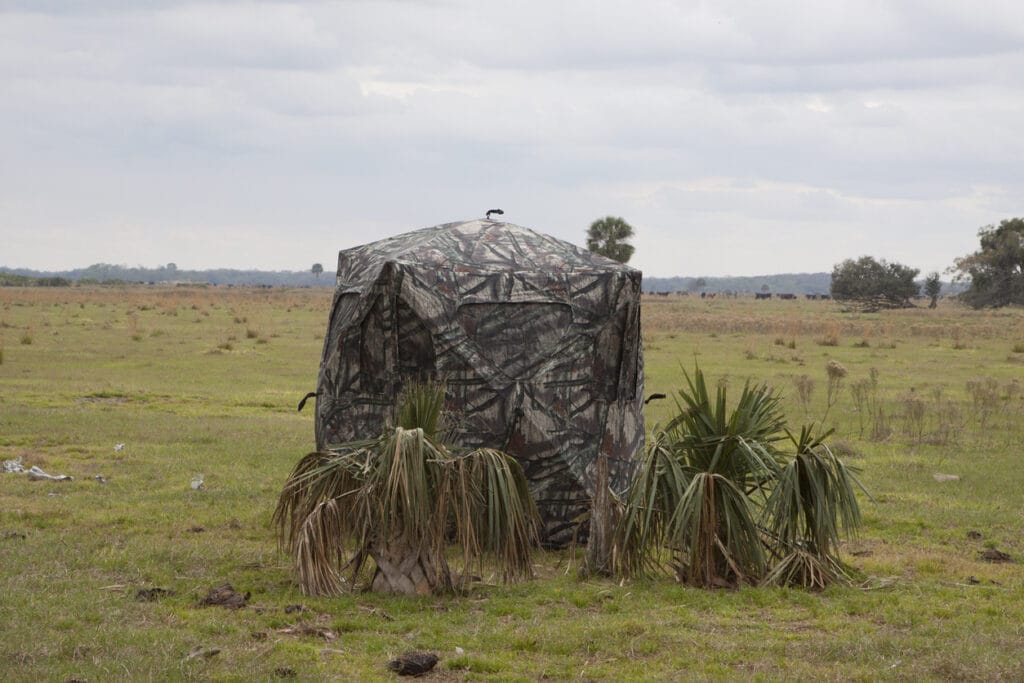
(738, 138)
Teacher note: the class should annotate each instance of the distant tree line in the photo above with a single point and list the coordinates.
(105, 273)
(791, 283)
(14, 280)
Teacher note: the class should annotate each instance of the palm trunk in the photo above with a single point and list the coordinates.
(406, 568)
(602, 524)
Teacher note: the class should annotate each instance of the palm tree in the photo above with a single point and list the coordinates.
(399, 500)
(811, 501)
(609, 236)
(716, 490)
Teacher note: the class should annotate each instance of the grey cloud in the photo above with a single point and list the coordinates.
(832, 126)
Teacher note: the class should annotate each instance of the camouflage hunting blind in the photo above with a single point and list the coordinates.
(537, 340)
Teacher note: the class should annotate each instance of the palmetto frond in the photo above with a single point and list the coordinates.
(735, 443)
(651, 501)
(813, 499)
(806, 569)
(422, 406)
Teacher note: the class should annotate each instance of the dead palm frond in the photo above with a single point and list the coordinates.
(807, 570)
(398, 500)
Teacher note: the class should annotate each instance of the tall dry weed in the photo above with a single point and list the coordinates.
(836, 374)
(984, 393)
(868, 405)
(949, 420)
(914, 410)
(804, 391)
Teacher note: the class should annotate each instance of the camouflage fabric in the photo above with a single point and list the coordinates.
(537, 340)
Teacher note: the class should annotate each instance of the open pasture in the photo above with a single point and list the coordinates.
(204, 381)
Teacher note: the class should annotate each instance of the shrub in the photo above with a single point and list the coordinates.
(729, 504)
(400, 499)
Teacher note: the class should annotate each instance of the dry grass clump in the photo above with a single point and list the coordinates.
(842, 448)
(830, 335)
(958, 341)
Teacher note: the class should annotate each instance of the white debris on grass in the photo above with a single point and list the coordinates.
(939, 476)
(197, 482)
(36, 474)
(118, 447)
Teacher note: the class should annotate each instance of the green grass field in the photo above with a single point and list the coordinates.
(205, 381)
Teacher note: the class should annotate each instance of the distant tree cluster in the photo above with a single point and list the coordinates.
(996, 270)
(870, 284)
(995, 273)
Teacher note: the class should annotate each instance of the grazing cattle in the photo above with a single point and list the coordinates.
(787, 297)
(825, 297)
(762, 295)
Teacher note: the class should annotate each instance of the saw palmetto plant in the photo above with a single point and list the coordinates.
(812, 502)
(721, 501)
(401, 501)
